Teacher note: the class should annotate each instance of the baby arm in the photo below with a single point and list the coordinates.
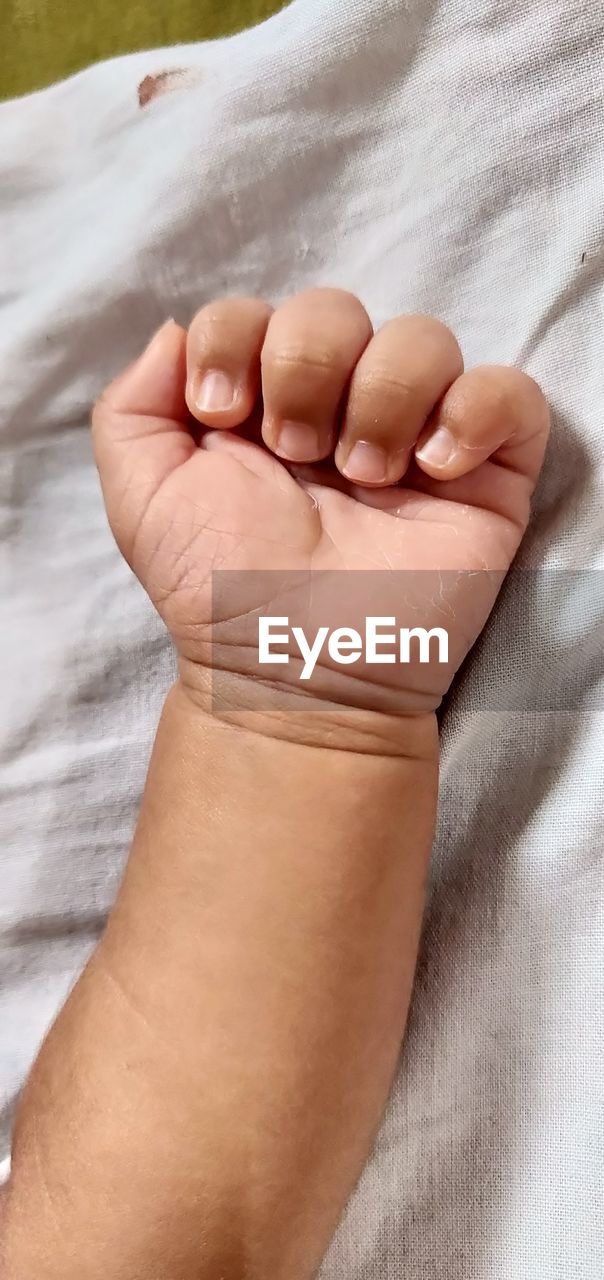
(205, 1102)
(208, 1096)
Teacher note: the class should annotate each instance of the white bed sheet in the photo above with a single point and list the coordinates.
(437, 155)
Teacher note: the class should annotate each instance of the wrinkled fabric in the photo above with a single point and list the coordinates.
(431, 155)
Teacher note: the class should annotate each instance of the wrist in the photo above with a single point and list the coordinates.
(290, 714)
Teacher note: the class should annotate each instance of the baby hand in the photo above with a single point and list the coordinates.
(286, 449)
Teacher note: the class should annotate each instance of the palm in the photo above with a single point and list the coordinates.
(232, 508)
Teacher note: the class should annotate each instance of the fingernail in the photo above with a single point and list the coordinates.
(215, 393)
(438, 449)
(366, 463)
(298, 442)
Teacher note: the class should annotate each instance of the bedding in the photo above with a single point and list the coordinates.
(443, 156)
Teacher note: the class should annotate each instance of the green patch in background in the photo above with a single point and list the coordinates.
(45, 40)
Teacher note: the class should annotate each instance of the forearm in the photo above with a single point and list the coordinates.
(207, 1098)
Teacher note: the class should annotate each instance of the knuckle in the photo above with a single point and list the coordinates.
(532, 388)
(226, 326)
(441, 332)
(381, 383)
(430, 325)
(427, 331)
(494, 389)
(316, 361)
(207, 329)
(320, 317)
(319, 295)
(526, 400)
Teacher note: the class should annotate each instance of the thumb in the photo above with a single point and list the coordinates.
(140, 431)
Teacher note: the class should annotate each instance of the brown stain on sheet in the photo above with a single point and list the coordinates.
(165, 82)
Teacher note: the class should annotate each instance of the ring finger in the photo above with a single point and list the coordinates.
(402, 375)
